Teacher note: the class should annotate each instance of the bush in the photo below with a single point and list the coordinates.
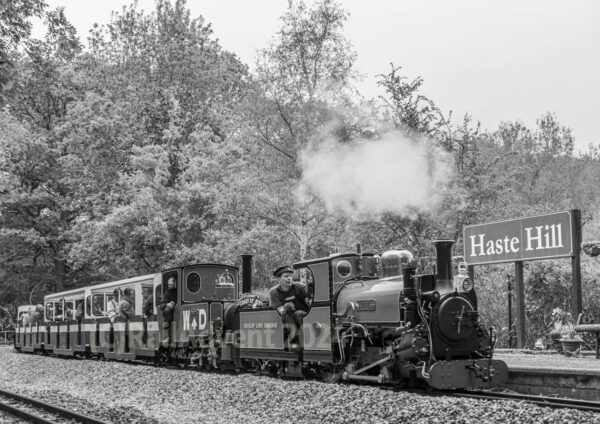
(548, 287)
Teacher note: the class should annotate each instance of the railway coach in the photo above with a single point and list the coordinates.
(76, 322)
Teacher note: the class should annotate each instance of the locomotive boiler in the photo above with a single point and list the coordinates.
(399, 327)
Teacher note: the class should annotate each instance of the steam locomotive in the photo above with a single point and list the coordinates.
(371, 319)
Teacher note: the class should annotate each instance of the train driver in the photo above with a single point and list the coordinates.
(290, 300)
(167, 305)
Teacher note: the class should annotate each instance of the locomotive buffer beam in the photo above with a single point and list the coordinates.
(467, 374)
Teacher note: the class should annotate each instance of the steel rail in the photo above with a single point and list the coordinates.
(20, 413)
(64, 413)
(547, 401)
(544, 401)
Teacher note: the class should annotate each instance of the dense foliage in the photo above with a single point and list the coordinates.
(153, 146)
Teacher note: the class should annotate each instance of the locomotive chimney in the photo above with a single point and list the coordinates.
(444, 262)
(246, 273)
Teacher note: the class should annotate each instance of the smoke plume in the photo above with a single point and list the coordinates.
(370, 177)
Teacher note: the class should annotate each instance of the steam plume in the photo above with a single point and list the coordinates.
(370, 177)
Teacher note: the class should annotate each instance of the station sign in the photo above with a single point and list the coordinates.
(536, 237)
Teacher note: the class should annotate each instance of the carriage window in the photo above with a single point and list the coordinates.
(69, 308)
(158, 295)
(49, 311)
(147, 301)
(193, 283)
(131, 292)
(58, 309)
(78, 311)
(98, 305)
(88, 305)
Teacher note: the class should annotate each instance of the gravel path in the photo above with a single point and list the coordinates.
(124, 393)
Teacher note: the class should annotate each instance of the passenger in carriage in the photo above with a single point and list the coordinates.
(112, 309)
(97, 309)
(147, 302)
(49, 312)
(25, 318)
(79, 310)
(290, 299)
(59, 311)
(37, 315)
(68, 312)
(126, 306)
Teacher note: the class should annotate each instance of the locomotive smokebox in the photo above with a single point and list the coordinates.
(246, 273)
(443, 250)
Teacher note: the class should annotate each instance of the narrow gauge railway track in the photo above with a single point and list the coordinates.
(546, 401)
(39, 412)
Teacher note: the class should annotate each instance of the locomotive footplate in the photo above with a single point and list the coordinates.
(468, 374)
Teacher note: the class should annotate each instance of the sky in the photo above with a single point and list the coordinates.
(498, 61)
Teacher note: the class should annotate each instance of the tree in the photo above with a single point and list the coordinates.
(532, 157)
(411, 111)
(31, 228)
(44, 81)
(14, 28)
(175, 91)
(39, 206)
(418, 119)
(302, 84)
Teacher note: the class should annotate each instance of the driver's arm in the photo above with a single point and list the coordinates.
(275, 301)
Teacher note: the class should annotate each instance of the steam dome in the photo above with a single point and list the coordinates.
(392, 262)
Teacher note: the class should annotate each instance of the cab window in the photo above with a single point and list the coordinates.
(305, 276)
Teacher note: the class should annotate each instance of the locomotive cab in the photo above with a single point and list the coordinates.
(203, 292)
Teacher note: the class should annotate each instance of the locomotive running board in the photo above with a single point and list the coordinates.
(467, 374)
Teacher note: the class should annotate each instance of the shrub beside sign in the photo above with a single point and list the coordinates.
(536, 237)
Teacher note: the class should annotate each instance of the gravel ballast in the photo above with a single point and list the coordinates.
(124, 393)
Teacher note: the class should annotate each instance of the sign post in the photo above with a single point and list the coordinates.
(520, 298)
(576, 264)
(555, 235)
(510, 317)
